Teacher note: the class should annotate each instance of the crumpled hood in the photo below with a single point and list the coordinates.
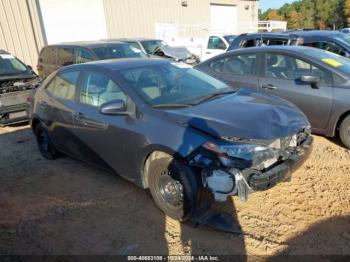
(244, 115)
(179, 53)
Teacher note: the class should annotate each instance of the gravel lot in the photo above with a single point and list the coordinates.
(68, 207)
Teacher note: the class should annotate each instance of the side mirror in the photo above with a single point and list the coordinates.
(30, 67)
(310, 79)
(115, 107)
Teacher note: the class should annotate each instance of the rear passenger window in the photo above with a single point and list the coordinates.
(65, 56)
(276, 41)
(249, 43)
(48, 56)
(64, 85)
(290, 68)
(237, 65)
(98, 89)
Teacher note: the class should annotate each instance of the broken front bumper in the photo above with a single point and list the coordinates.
(282, 171)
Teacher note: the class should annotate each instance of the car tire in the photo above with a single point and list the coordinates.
(46, 147)
(173, 187)
(344, 132)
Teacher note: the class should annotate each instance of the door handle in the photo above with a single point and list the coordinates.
(269, 87)
(208, 53)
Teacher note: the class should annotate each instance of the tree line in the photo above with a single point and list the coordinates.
(312, 14)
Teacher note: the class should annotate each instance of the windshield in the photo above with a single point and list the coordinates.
(339, 62)
(343, 38)
(172, 83)
(9, 65)
(118, 51)
(229, 38)
(151, 45)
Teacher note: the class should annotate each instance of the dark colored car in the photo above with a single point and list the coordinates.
(177, 131)
(53, 57)
(315, 80)
(156, 47)
(332, 41)
(17, 80)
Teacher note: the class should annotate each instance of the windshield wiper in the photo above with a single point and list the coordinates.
(212, 96)
(172, 105)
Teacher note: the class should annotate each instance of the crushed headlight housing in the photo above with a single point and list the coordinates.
(243, 155)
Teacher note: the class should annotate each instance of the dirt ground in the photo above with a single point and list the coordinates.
(68, 207)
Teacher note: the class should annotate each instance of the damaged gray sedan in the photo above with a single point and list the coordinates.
(187, 137)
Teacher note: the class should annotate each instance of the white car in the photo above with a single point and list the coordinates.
(215, 45)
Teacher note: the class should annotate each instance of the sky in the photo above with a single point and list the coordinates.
(266, 4)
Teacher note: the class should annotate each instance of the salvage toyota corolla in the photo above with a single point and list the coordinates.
(187, 137)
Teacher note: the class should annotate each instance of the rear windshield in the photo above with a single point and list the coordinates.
(9, 65)
(151, 45)
(118, 51)
(338, 62)
(343, 38)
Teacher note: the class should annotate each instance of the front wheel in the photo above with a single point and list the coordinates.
(46, 147)
(344, 132)
(173, 187)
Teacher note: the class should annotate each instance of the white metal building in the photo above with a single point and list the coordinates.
(27, 25)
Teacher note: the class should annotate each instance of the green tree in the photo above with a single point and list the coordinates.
(295, 20)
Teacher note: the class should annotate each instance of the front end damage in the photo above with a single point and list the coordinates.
(232, 166)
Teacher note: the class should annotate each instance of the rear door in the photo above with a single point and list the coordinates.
(282, 78)
(60, 106)
(237, 70)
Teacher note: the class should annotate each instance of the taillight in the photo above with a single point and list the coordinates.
(27, 99)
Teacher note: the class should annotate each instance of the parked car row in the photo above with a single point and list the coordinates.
(234, 124)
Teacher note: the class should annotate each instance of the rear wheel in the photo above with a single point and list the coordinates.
(344, 132)
(46, 147)
(173, 187)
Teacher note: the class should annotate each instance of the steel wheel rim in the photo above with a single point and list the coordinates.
(171, 191)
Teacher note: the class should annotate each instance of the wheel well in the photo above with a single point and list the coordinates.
(340, 120)
(152, 156)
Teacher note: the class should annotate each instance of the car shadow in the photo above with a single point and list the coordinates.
(65, 207)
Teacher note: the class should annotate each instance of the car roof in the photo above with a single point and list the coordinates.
(135, 39)
(118, 64)
(295, 33)
(314, 33)
(268, 34)
(3, 52)
(282, 48)
(88, 44)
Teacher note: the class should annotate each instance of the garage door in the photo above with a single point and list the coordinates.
(73, 20)
(223, 19)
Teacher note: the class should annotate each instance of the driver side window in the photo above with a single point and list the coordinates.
(98, 89)
(290, 68)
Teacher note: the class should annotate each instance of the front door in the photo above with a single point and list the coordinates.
(215, 46)
(103, 138)
(282, 78)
